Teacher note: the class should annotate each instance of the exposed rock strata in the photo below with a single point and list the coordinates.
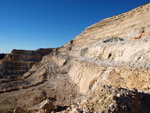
(18, 62)
(95, 72)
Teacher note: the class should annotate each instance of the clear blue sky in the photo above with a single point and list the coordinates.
(33, 24)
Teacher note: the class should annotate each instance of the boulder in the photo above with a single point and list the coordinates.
(45, 106)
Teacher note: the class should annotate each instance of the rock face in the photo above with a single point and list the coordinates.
(106, 99)
(45, 106)
(100, 70)
(15, 64)
(18, 62)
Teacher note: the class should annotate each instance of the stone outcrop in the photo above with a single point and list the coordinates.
(99, 70)
(125, 27)
(44, 107)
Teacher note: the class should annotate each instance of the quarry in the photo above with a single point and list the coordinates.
(98, 71)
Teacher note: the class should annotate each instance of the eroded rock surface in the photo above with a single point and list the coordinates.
(99, 70)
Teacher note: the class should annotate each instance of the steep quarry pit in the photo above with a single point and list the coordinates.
(99, 70)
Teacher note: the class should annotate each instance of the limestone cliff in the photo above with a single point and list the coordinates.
(99, 70)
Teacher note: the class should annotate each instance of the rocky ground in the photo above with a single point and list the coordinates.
(99, 71)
